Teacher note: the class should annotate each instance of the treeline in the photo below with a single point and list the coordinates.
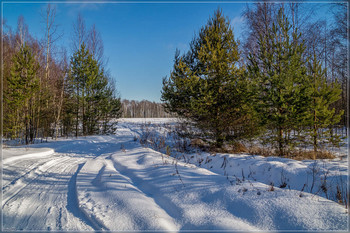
(48, 94)
(143, 109)
(284, 86)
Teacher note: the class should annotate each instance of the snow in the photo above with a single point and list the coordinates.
(114, 183)
(12, 154)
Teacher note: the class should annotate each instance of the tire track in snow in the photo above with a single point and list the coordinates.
(74, 207)
(163, 202)
(97, 180)
(171, 209)
(112, 198)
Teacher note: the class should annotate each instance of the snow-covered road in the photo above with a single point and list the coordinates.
(39, 194)
(113, 183)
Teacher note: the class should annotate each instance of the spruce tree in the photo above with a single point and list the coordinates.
(207, 87)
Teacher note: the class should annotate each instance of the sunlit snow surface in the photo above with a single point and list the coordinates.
(114, 183)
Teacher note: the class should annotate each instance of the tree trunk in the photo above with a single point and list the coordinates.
(280, 141)
(60, 103)
(77, 120)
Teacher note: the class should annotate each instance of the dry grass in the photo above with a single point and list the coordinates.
(302, 155)
(234, 148)
(263, 151)
(198, 143)
(295, 154)
(238, 147)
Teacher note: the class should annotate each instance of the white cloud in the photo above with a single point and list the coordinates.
(237, 20)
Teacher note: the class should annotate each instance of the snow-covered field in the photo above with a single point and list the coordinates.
(114, 183)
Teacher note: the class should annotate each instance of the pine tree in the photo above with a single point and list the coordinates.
(23, 85)
(321, 116)
(280, 76)
(110, 108)
(89, 90)
(81, 70)
(207, 86)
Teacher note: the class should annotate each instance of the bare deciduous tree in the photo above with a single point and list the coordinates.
(22, 32)
(79, 33)
(95, 44)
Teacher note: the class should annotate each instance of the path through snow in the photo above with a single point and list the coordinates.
(113, 183)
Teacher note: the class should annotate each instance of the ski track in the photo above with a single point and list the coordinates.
(106, 183)
(16, 185)
(38, 199)
(9, 181)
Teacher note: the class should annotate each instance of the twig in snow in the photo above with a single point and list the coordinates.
(302, 190)
(283, 180)
(177, 172)
(224, 163)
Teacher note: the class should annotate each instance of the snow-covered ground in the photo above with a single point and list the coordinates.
(114, 183)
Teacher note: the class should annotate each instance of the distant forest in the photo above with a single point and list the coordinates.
(143, 109)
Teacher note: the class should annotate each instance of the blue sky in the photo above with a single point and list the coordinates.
(139, 39)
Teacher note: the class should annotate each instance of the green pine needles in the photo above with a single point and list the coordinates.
(91, 99)
(279, 73)
(21, 97)
(77, 99)
(278, 95)
(320, 115)
(208, 87)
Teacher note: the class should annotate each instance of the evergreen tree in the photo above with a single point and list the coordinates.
(68, 111)
(110, 108)
(89, 90)
(82, 68)
(22, 87)
(207, 86)
(321, 116)
(281, 84)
